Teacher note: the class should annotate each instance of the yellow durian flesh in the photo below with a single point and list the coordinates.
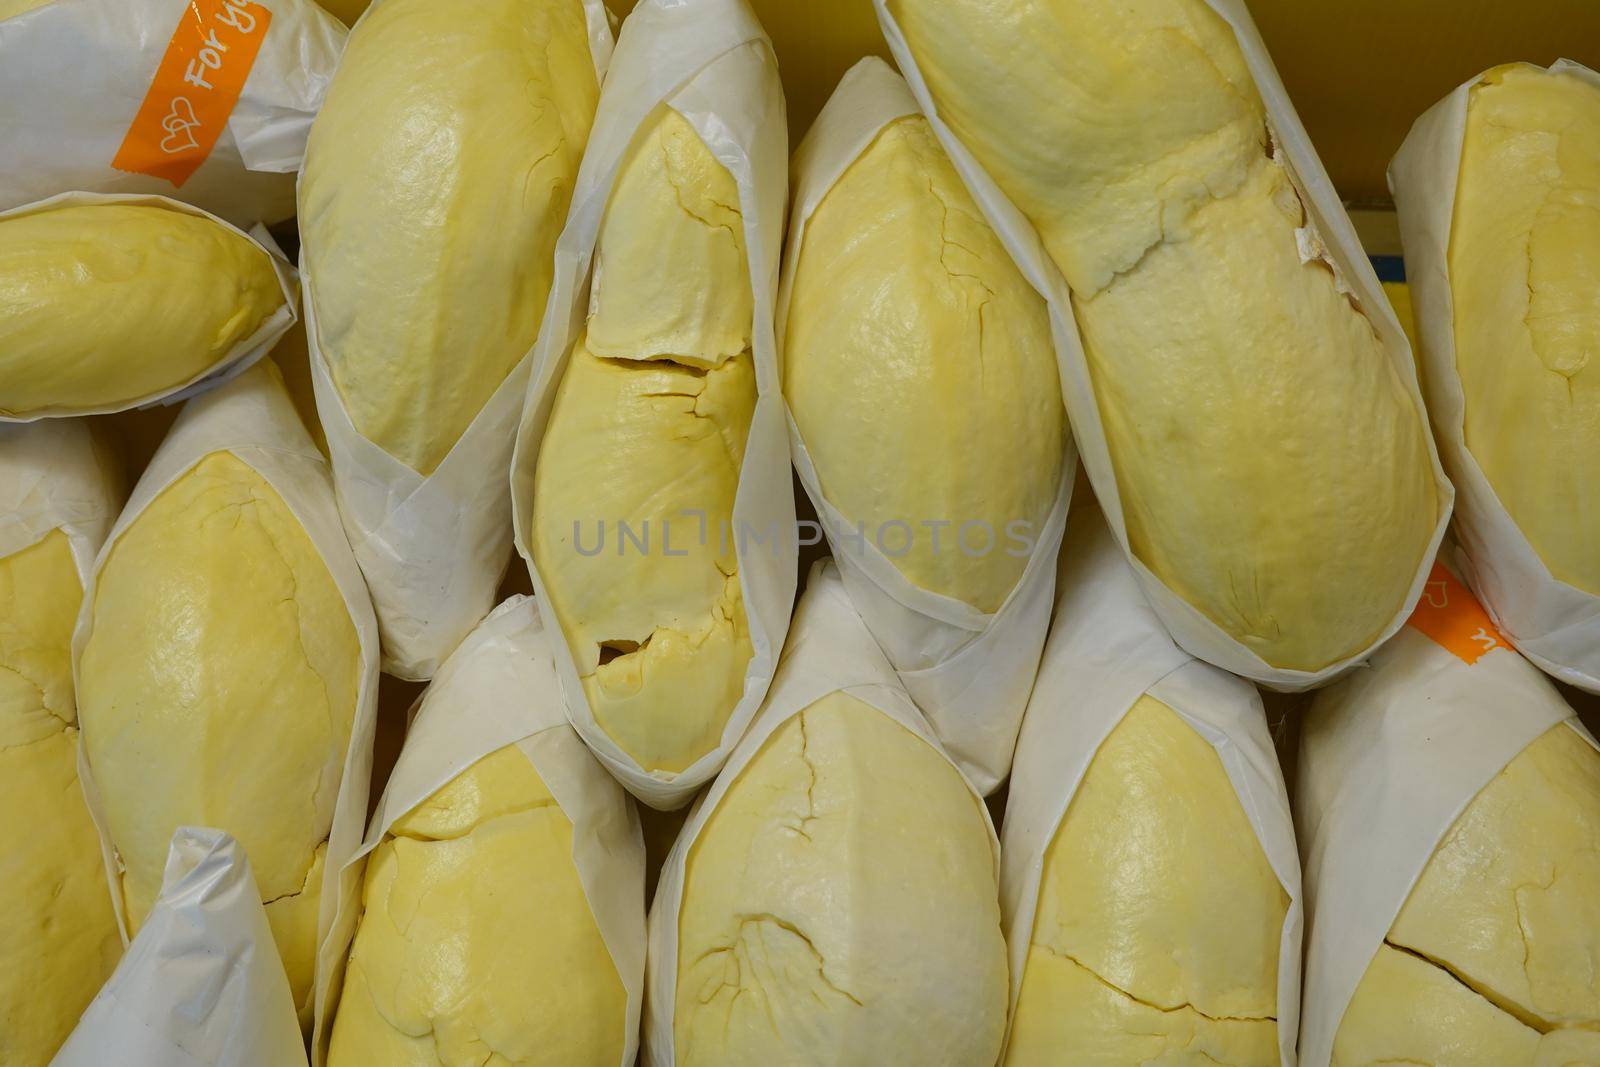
(106, 304)
(10, 8)
(671, 277)
(58, 935)
(1495, 957)
(919, 368)
(1525, 277)
(1273, 467)
(840, 906)
(660, 640)
(648, 429)
(476, 943)
(1159, 921)
(437, 179)
(219, 686)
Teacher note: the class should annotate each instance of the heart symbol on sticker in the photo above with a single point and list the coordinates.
(180, 125)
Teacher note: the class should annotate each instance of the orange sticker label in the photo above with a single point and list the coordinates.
(1453, 619)
(195, 89)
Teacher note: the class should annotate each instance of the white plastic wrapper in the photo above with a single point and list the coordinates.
(1388, 761)
(202, 984)
(710, 61)
(830, 651)
(239, 358)
(1328, 236)
(54, 475)
(500, 688)
(1554, 624)
(260, 427)
(968, 671)
(93, 87)
(1107, 649)
(433, 547)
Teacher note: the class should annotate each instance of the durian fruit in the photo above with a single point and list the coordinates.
(105, 305)
(919, 368)
(1273, 467)
(646, 437)
(218, 687)
(840, 906)
(1525, 277)
(437, 178)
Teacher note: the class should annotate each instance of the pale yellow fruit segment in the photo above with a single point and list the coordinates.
(1499, 940)
(1159, 920)
(658, 633)
(1273, 468)
(8, 8)
(840, 907)
(1525, 277)
(476, 944)
(437, 179)
(107, 304)
(1407, 1011)
(58, 936)
(918, 365)
(219, 688)
(671, 276)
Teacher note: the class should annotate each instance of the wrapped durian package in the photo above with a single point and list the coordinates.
(502, 912)
(116, 302)
(833, 899)
(651, 486)
(1448, 803)
(1150, 883)
(207, 103)
(202, 984)
(1240, 388)
(925, 411)
(1498, 191)
(438, 177)
(59, 494)
(226, 663)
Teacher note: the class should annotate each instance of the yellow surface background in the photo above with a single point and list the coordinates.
(1360, 71)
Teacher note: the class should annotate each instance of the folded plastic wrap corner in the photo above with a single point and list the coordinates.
(202, 985)
(1149, 881)
(504, 894)
(226, 664)
(426, 257)
(1448, 804)
(840, 870)
(895, 430)
(116, 302)
(59, 493)
(1497, 189)
(62, 132)
(676, 435)
(1242, 395)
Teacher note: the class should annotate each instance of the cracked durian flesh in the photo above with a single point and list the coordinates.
(1525, 275)
(671, 277)
(437, 179)
(476, 943)
(1495, 957)
(652, 435)
(58, 936)
(1159, 921)
(106, 304)
(1272, 465)
(219, 687)
(840, 906)
(919, 368)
